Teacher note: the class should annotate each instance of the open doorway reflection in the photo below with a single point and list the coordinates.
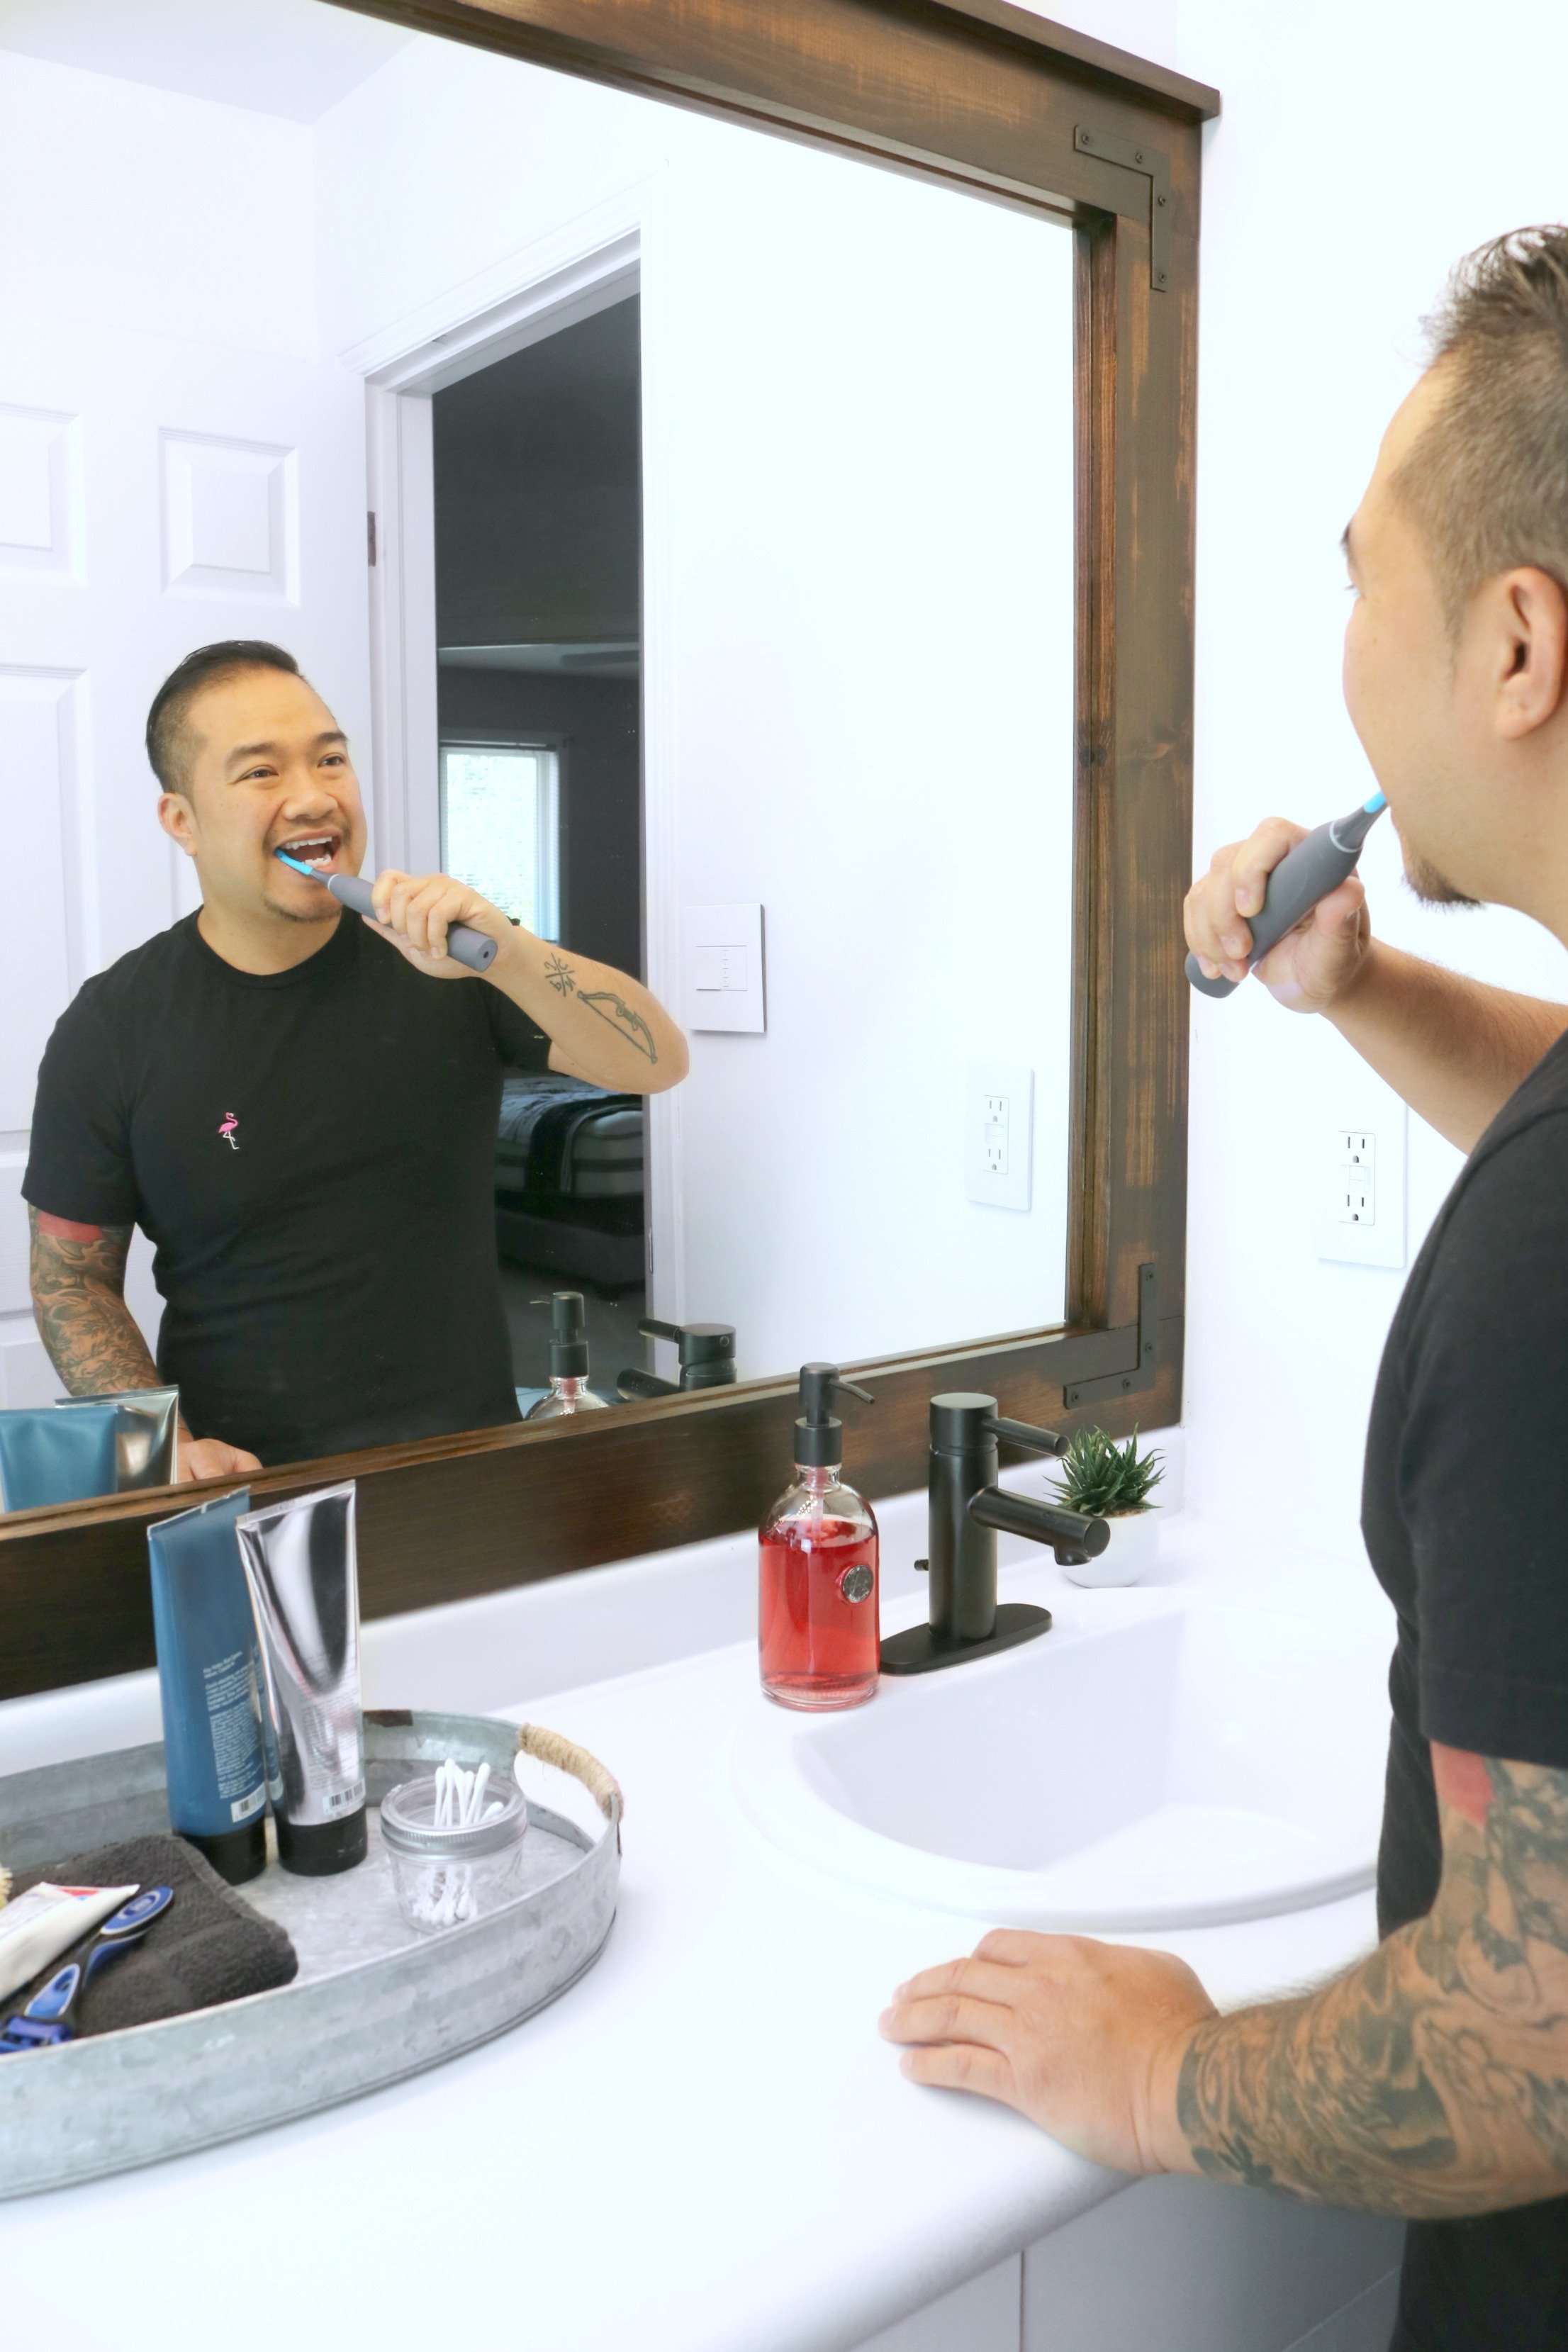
(538, 572)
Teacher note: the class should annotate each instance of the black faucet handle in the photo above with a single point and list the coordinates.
(1023, 1434)
(1068, 1533)
(697, 1339)
(707, 1349)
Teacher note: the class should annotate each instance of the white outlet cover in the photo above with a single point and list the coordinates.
(998, 1135)
(1361, 1150)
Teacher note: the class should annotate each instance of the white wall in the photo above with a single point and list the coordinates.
(176, 464)
(860, 685)
(859, 645)
(1353, 162)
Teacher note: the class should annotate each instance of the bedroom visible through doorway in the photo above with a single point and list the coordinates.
(537, 474)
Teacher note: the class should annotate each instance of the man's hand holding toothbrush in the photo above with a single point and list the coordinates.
(604, 1026)
(1454, 1048)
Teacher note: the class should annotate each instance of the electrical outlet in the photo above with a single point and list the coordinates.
(1356, 1192)
(998, 1135)
(1362, 1217)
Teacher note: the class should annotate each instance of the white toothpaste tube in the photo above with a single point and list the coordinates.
(41, 1925)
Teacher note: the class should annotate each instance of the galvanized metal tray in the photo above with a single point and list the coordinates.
(373, 2001)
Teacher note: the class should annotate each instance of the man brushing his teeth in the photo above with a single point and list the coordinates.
(296, 1109)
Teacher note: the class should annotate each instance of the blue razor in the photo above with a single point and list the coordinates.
(1306, 873)
(43, 2022)
(464, 944)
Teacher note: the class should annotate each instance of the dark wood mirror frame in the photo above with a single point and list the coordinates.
(989, 97)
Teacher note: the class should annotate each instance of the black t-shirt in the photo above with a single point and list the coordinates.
(1465, 1512)
(311, 1153)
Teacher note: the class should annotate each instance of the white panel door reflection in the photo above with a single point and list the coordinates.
(40, 492)
(231, 523)
(177, 465)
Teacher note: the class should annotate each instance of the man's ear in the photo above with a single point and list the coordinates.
(1527, 627)
(178, 819)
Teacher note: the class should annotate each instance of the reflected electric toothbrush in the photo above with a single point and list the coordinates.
(464, 944)
(1306, 873)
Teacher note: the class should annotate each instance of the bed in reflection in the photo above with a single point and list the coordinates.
(569, 1179)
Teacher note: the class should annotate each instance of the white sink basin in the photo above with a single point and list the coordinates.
(1145, 1764)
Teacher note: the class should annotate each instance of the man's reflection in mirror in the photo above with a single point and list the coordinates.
(299, 1106)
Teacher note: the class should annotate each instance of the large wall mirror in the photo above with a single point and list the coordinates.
(762, 574)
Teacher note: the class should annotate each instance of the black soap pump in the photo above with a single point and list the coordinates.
(569, 1390)
(817, 1617)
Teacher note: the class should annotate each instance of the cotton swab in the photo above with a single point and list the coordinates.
(459, 1803)
(461, 1796)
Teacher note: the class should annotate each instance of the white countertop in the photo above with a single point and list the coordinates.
(705, 2144)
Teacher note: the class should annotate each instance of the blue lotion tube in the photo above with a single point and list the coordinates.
(207, 1678)
(48, 1456)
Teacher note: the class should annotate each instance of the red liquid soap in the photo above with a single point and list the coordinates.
(819, 1623)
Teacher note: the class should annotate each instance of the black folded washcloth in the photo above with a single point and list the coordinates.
(208, 1947)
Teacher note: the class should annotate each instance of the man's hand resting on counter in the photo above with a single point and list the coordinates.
(1430, 2080)
(77, 1278)
(209, 1457)
(603, 1025)
(1084, 2038)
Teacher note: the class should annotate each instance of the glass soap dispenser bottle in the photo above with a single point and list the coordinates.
(568, 1390)
(818, 1629)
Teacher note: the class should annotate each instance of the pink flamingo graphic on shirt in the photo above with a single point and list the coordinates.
(229, 1129)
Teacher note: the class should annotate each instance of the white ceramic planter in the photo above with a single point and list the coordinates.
(1130, 1553)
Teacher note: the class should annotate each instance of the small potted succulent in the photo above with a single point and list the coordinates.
(1102, 1480)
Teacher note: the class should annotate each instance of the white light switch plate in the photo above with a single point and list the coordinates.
(1361, 1217)
(723, 969)
(998, 1134)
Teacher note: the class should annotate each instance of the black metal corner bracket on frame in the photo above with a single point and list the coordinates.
(1142, 1375)
(1156, 169)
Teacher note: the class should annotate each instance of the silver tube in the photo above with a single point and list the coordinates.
(300, 1567)
(146, 1427)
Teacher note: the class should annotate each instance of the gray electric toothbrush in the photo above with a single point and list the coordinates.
(464, 944)
(1306, 873)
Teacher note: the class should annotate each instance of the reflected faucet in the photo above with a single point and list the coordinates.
(707, 1358)
(966, 1508)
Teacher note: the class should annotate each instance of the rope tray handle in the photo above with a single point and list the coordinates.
(554, 1748)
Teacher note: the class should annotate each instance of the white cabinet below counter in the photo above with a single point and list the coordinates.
(1176, 2265)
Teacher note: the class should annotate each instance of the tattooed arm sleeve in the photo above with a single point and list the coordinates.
(1432, 2081)
(603, 1025)
(77, 1275)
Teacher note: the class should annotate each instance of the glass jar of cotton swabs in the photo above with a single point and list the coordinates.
(455, 1840)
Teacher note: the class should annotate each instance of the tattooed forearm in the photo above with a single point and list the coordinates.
(622, 1019)
(78, 1304)
(1433, 2079)
(643, 1053)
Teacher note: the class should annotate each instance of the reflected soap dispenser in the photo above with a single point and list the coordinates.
(569, 1390)
(818, 1629)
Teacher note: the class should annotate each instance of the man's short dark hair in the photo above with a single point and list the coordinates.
(1487, 482)
(167, 747)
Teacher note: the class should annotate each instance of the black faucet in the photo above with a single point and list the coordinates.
(707, 1358)
(967, 1507)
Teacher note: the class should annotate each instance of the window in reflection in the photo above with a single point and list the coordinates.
(499, 829)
